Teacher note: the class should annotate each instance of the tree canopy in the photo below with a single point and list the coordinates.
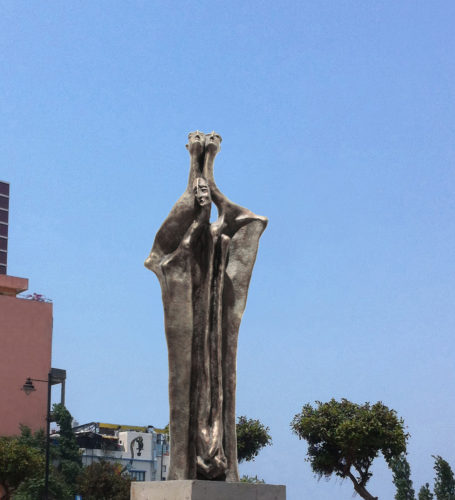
(104, 481)
(251, 479)
(252, 436)
(68, 456)
(444, 482)
(27, 482)
(344, 438)
(401, 471)
(18, 462)
(425, 493)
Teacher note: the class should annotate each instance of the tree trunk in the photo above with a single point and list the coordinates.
(361, 490)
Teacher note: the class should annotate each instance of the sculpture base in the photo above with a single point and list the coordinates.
(205, 490)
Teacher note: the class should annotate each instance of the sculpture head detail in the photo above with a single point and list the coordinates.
(213, 143)
(196, 142)
(201, 192)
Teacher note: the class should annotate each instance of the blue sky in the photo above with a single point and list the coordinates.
(337, 121)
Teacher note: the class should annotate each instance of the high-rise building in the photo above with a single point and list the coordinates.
(4, 219)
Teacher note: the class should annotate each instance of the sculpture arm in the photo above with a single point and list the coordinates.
(158, 260)
(233, 216)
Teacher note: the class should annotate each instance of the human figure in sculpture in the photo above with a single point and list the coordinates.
(204, 271)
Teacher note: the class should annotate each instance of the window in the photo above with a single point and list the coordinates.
(137, 475)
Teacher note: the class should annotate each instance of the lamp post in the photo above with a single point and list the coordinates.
(55, 376)
(28, 387)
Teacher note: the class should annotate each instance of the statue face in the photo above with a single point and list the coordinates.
(213, 142)
(201, 192)
(196, 142)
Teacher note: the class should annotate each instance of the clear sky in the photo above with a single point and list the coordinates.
(337, 120)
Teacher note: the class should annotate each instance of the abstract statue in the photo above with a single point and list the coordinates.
(204, 271)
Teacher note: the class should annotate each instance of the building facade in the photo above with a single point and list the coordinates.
(4, 219)
(142, 452)
(25, 353)
(25, 345)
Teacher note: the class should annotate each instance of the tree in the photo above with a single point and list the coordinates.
(401, 471)
(252, 436)
(67, 453)
(33, 489)
(344, 438)
(425, 493)
(35, 440)
(103, 481)
(65, 460)
(18, 462)
(251, 480)
(444, 482)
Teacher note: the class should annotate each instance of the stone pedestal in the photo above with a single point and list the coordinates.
(205, 490)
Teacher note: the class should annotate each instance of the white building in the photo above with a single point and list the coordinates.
(142, 452)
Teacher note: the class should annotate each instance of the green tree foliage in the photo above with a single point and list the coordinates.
(252, 436)
(33, 489)
(103, 481)
(35, 440)
(65, 460)
(401, 471)
(444, 482)
(251, 480)
(67, 453)
(18, 462)
(425, 493)
(344, 438)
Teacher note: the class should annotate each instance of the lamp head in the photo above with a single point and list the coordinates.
(28, 387)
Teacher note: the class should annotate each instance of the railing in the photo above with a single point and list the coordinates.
(37, 297)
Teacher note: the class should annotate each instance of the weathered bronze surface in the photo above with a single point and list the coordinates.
(204, 271)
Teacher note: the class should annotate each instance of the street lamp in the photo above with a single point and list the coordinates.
(55, 376)
(28, 388)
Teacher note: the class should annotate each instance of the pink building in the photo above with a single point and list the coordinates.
(25, 345)
(25, 352)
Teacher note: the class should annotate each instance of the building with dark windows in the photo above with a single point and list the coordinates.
(4, 219)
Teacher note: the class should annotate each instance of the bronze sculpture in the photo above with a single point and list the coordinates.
(204, 271)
